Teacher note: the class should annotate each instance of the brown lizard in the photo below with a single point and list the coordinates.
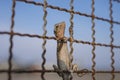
(63, 56)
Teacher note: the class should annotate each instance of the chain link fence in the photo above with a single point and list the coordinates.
(45, 5)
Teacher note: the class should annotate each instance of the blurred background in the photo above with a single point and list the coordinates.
(29, 19)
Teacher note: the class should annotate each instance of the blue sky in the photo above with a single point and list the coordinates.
(28, 19)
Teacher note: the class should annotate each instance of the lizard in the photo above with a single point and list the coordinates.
(63, 56)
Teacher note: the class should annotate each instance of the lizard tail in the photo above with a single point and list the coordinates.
(66, 76)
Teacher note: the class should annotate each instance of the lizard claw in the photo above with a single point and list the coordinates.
(75, 67)
(56, 69)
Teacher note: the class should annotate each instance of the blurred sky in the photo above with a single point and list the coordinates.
(29, 19)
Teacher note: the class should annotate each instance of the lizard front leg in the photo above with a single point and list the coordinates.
(57, 69)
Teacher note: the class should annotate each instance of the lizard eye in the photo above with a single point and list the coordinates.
(56, 25)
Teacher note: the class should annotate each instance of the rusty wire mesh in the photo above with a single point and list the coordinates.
(117, 1)
(70, 39)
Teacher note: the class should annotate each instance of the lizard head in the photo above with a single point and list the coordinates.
(59, 30)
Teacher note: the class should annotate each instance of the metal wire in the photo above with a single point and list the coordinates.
(71, 34)
(117, 1)
(71, 39)
(112, 40)
(54, 38)
(71, 30)
(68, 11)
(11, 41)
(44, 40)
(93, 41)
(51, 71)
